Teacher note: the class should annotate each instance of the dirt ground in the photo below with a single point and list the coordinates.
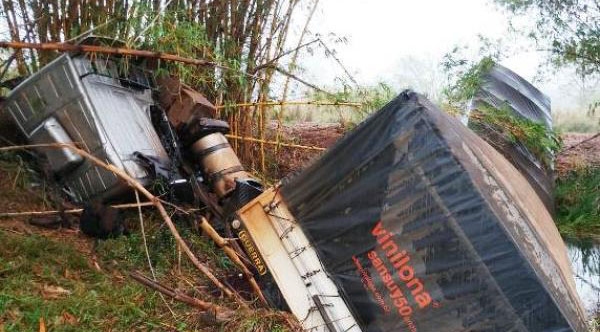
(290, 160)
(579, 151)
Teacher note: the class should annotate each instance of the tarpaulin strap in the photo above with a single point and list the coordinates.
(310, 311)
(293, 221)
(272, 204)
(286, 232)
(297, 252)
(323, 312)
(310, 274)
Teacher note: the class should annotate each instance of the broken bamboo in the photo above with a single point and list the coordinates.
(292, 102)
(289, 145)
(232, 254)
(70, 211)
(66, 47)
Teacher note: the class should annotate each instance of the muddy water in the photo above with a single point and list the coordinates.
(585, 261)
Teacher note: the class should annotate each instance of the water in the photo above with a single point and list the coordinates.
(585, 261)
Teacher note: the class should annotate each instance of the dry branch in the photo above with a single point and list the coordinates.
(76, 211)
(298, 79)
(580, 143)
(222, 243)
(78, 48)
(146, 251)
(70, 211)
(221, 313)
(295, 51)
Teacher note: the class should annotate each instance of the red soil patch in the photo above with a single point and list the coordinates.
(580, 151)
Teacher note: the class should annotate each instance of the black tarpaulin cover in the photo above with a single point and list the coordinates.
(425, 227)
(501, 88)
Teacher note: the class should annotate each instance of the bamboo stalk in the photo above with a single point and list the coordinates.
(75, 211)
(66, 47)
(289, 145)
(294, 102)
(155, 201)
(262, 126)
(580, 143)
(146, 251)
(298, 79)
(291, 66)
(70, 211)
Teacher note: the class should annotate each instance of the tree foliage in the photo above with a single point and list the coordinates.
(372, 98)
(568, 29)
(467, 78)
(243, 35)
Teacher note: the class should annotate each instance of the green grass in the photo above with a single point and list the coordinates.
(578, 202)
(31, 265)
(129, 253)
(575, 122)
(539, 140)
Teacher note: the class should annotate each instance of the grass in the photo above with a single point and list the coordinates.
(575, 122)
(541, 141)
(50, 280)
(578, 202)
(54, 279)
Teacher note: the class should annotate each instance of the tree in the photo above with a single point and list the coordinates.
(569, 30)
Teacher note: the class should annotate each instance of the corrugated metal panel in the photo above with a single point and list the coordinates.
(122, 113)
(503, 89)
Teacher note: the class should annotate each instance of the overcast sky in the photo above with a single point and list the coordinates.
(400, 40)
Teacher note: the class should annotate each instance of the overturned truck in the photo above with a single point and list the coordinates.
(409, 223)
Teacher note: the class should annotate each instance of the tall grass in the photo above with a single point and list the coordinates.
(575, 122)
(578, 202)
